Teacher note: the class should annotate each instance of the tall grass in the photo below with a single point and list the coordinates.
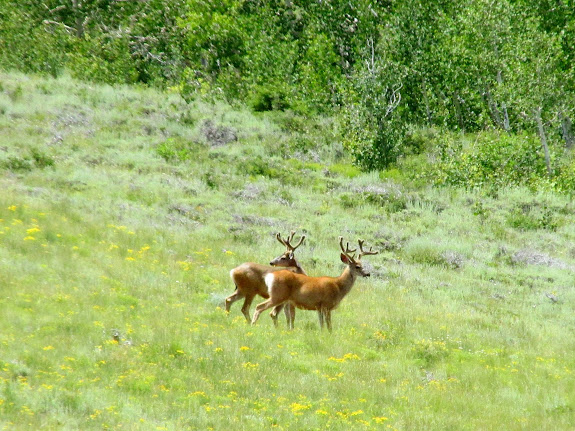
(114, 264)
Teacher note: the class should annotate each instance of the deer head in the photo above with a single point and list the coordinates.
(349, 259)
(287, 258)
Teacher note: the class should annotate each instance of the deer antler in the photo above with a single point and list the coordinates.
(362, 251)
(287, 242)
(347, 251)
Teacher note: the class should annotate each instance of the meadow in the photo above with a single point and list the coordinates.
(123, 210)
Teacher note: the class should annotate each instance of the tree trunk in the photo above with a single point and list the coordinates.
(495, 117)
(426, 100)
(543, 137)
(457, 104)
(503, 105)
(76, 6)
(566, 128)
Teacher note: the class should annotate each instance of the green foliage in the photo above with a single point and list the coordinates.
(268, 98)
(289, 172)
(28, 45)
(489, 160)
(107, 42)
(104, 59)
(385, 196)
(179, 150)
(564, 181)
(373, 129)
(347, 171)
(533, 216)
(41, 160)
(36, 159)
(426, 252)
(386, 70)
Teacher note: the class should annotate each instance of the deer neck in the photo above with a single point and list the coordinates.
(298, 268)
(346, 280)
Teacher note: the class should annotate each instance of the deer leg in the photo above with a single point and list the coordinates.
(246, 307)
(275, 312)
(290, 314)
(261, 308)
(237, 295)
(328, 319)
(320, 315)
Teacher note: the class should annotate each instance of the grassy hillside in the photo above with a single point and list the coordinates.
(122, 211)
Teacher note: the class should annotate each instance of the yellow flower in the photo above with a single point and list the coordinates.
(380, 419)
(48, 348)
(297, 408)
(243, 348)
(346, 357)
(12, 208)
(250, 365)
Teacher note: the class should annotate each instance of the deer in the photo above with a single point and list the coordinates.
(249, 279)
(314, 293)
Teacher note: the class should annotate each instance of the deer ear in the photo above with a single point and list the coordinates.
(344, 259)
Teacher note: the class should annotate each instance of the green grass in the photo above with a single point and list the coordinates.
(114, 262)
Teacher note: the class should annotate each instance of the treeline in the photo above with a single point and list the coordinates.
(384, 67)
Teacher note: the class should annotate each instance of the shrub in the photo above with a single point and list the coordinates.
(268, 98)
(347, 171)
(36, 159)
(178, 150)
(41, 160)
(104, 58)
(18, 164)
(493, 160)
(382, 195)
(427, 252)
(532, 217)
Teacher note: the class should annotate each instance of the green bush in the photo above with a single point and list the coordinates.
(41, 160)
(179, 150)
(490, 160)
(268, 98)
(18, 164)
(104, 58)
(532, 217)
(25, 163)
(29, 45)
(564, 181)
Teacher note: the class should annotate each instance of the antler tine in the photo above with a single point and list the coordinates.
(279, 238)
(300, 242)
(362, 251)
(288, 241)
(346, 250)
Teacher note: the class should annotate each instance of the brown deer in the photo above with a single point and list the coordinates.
(314, 293)
(249, 279)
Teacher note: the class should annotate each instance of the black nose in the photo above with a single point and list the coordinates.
(368, 275)
(271, 263)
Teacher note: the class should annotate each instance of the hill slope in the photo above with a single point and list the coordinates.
(123, 209)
